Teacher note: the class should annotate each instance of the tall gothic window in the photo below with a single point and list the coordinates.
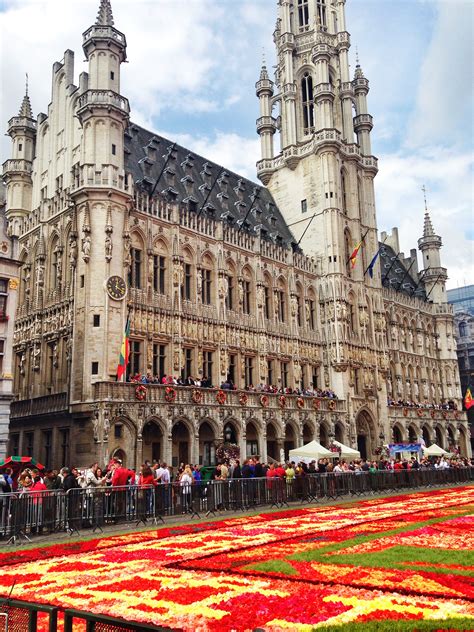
(303, 15)
(308, 103)
(229, 299)
(343, 192)
(321, 9)
(159, 273)
(136, 268)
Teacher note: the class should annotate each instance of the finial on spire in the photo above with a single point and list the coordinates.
(357, 56)
(105, 17)
(25, 108)
(423, 188)
(264, 61)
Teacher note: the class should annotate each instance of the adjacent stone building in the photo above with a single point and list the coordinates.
(9, 282)
(462, 300)
(220, 277)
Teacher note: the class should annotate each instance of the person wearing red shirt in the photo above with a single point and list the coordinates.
(120, 476)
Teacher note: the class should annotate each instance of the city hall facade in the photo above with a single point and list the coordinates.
(220, 277)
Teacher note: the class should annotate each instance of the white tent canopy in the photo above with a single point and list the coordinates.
(312, 451)
(434, 450)
(347, 452)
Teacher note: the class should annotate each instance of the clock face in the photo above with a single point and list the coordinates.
(116, 287)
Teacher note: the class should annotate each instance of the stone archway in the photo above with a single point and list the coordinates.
(451, 439)
(153, 442)
(324, 436)
(439, 437)
(463, 447)
(412, 434)
(397, 434)
(180, 444)
(365, 429)
(272, 442)
(252, 439)
(290, 439)
(308, 433)
(120, 455)
(425, 433)
(339, 433)
(207, 444)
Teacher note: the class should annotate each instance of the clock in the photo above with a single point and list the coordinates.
(116, 287)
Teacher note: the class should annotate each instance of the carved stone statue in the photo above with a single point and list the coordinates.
(86, 247)
(22, 364)
(73, 252)
(108, 248)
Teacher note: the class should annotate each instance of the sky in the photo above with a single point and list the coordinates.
(191, 72)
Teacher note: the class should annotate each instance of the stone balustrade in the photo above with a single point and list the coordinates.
(409, 413)
(191, 396)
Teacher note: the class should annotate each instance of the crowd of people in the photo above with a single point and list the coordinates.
(228, 385)
(152, 474)
(403, 403)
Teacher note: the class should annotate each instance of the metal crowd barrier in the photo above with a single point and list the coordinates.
(26, 514)
(22, 616)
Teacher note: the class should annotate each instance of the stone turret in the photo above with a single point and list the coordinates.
(17, 171)
(434, 276)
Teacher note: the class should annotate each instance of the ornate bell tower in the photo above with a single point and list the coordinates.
(322, 181)
(102, 198)
(324, 171)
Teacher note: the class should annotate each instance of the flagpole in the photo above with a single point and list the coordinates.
(388, 272)
(422, 276)
(380, 248)
(361, 242)
(407, 272)
(170, 151)
(434, 284)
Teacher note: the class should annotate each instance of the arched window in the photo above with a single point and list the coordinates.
(230, 296)
(343, 192)
(280, 295)
(349, 249)
(299, 305)
(303, 15)
(308, 103)
(247, 291)
(311, 310)
(267, 297)
(135, 276)
(321, 11)
(207, 274)
(462, 329)
(160, 268)
(352, 314)
(186, 286)
(53, 270)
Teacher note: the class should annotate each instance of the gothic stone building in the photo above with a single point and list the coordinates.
(113, 219)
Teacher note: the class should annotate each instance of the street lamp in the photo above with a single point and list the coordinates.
(228, 434)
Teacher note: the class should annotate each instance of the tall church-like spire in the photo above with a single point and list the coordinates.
(105, 16)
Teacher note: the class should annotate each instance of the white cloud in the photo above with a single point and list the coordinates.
(445, 96)
(448, 179)
(231, 151)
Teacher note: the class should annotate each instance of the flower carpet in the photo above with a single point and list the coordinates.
(400, 558)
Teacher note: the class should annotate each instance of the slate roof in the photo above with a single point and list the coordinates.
(395, 274)
(192, 180)
(189, 179)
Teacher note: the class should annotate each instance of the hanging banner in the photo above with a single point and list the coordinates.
(404, 447)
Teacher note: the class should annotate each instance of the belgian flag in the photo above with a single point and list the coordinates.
(124, 351)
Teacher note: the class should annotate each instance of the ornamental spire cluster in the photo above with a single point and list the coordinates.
(105, 16)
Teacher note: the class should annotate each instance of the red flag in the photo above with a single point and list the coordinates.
(468, 401)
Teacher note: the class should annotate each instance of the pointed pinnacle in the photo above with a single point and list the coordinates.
(428, 230)
(105, 17)
(25, 109)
